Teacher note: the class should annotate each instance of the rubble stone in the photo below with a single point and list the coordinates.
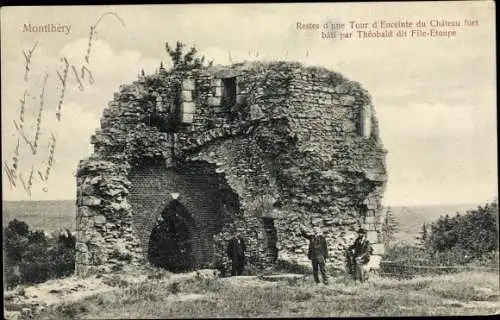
(293, 134)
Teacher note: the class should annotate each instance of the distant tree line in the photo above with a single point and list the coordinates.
(474, 233)
(32, 257)
(466, 239)
(390, 227)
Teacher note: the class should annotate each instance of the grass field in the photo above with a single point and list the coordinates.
(469, 293)
(55, 215)
(466, 293)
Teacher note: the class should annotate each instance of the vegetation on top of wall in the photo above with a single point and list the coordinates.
(185, 60)
(333, 77)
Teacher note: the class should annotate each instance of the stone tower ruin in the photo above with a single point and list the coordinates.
(183, 158)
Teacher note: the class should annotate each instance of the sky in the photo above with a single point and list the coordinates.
(435, 97)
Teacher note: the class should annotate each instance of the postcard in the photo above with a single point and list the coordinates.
(249, 160)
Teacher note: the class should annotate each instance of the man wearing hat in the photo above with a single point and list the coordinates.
(236, 252)
(318, 253)
(358, 255)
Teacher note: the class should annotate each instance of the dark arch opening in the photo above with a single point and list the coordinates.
(271, 239)
(171, 241)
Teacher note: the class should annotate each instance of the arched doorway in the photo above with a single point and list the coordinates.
(171, 241)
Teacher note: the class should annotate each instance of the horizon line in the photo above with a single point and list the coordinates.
(385, 206)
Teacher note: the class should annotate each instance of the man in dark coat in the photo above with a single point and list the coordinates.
(358, 255)
(236, 253)
(317, 253)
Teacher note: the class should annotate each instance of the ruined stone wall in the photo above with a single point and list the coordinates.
(336, 175)
(309, 150)
(203, 192)
(105, 237)
(305, 137)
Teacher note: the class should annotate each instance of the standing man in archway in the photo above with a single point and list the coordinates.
(318, 253)
(236, 252)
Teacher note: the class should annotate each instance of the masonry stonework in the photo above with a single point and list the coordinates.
(300, 143)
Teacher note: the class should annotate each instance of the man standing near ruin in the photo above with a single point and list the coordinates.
(236, 252)
(318, 253)
(358, 255)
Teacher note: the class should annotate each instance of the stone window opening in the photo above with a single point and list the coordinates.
(365, 122)
(185, 101)
(229, 91)
(363, 212)
(271, 238)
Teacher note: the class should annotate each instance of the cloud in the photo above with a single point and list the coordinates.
(438, 152)
(80, 114)
(107, 67)
(419, 120)
(435, 98)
